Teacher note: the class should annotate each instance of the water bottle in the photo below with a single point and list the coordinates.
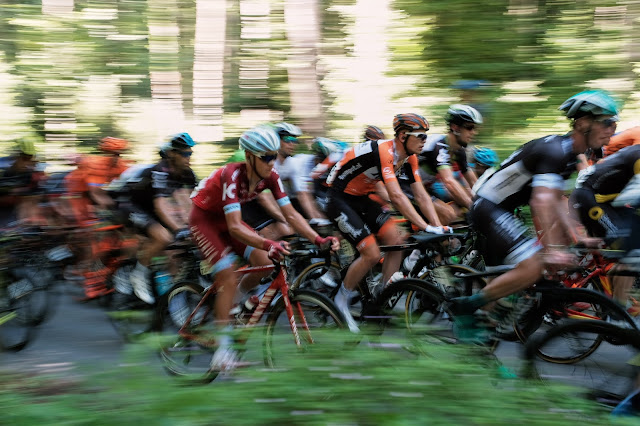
(163, 282)
(248, 307)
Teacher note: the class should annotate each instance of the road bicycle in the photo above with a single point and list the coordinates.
(296, 313)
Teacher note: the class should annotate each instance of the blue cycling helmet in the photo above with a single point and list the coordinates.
(181, 141)
(260, 139)
(486, 157)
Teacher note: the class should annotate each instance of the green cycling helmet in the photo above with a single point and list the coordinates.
(595, 102)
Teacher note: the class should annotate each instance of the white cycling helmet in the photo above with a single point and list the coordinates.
(286, 129)
(459, 113)
(260, 139)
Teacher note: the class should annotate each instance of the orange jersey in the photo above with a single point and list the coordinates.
(623, 139)
(368, 163)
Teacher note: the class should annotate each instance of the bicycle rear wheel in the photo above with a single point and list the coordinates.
(606, 373)
(320, 314)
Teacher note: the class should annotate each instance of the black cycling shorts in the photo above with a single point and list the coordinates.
(506, 239)
(254, 215)
(356, 217)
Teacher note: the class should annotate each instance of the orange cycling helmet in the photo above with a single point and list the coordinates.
(409, 121)
(114, 145)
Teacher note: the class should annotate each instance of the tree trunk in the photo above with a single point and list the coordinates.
(208, 67)
(303, 32)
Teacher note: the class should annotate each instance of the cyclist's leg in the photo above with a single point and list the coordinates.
(390, 234)
(510, 244)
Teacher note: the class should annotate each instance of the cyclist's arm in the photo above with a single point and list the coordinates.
(423, 200)
(100, 197)
(163, 207)
(269, 204)
(298, 222)
(583, 163)
(547, 210)
(403, 204)
(470, 177)
(457, 192)
(241, 232)
(381, 191)
(309, 205)
(182, 197)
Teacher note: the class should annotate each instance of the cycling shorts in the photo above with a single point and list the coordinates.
(211, 234)
(599, 219)
(131, 215)
(356, 216)
(506, 240)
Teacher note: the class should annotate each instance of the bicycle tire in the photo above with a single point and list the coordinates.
(412, 305)
(308, 278)
(16, 327)
(189, 358)
(608, 374)
(319, 312)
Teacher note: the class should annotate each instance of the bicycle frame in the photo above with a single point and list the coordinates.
(280, 284)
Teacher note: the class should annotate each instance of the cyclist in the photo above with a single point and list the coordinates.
(445, 157)
(327, 153)
(218, 229)
(484, 165)
(293, 171)
(591, 203)
(534, 174)
(145, 197)
(359, 218)
(19, 184)
(373, 133)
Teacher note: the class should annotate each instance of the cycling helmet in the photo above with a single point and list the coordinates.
(459, 114)
(260, 139)
(410, 121)
(326, 146)
(180, 141)
(286, 129)
(25, 146)
(595, 102)
(373, 133)
(486, 157)
(115, 145)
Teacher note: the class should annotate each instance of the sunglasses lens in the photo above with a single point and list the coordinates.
(290, 139)
(268, 158)
(470, 127)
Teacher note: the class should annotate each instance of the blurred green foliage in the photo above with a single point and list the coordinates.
(327, 385)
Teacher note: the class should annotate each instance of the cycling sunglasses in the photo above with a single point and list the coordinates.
(267, 158)
(185, 154)
(607, 121)
(469, 126)
(420, 135)
(290, 139)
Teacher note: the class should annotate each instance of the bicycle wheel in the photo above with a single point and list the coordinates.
(319, 313)
(416, 307)
(16, 327)
(188, 356)
(607, 373)
(319, 277)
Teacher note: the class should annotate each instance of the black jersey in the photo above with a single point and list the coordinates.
(437, 154)
(547, 161)
(156, 181)
(608, 177)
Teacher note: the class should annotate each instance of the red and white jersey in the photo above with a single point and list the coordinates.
(226, 189)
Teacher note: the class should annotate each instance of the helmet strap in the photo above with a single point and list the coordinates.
(254, 168)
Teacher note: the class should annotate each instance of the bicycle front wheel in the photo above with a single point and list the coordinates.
(606, 373)
(316, 310)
